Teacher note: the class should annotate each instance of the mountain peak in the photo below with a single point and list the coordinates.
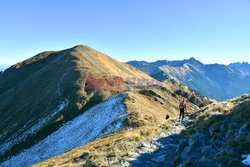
(160, 63)
(192, 59)
(239, 63)
(81, 47)
(243, 67)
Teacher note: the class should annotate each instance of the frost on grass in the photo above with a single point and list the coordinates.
(247, 160)
(104, 118)
(17, 138)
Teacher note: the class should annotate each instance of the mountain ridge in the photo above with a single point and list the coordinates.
(212, 80)
(209, 136)
(41, 94)
(244, 67)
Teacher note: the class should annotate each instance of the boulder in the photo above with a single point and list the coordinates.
(217, 142)
(233, 162)
(244, 129)
(198, 138)
(208, 149)
(159, 159)
(232, 151)
(183, 143)
(230, 134)
(82, 157)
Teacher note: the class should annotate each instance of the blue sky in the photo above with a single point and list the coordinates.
(209, 30)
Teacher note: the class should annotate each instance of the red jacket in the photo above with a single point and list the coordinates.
(185, 106)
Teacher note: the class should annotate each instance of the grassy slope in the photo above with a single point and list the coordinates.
(146, 112)
(34, 88)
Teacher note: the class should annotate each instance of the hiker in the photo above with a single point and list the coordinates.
(183, 109)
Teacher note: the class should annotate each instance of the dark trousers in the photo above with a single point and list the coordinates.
(181, 114)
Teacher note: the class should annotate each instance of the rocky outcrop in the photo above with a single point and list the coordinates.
(191, 98)
(210, 137)
(217, 140)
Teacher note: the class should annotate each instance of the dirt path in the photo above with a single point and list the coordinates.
(159, 151)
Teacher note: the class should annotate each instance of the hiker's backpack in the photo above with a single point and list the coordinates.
(182, 106)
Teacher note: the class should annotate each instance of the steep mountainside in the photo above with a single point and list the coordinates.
(219, 136)
(243, 67)
(47, 100)
(41, 93)
(212, 80)
(152, 69)
(215, 135)
(76, 133)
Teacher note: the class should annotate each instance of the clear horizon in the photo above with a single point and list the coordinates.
(8, 65)
(211, 31)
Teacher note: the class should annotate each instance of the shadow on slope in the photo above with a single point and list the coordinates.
(163, 156)
(218, 137)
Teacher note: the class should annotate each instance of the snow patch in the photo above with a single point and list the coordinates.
(104, 118)
(247, 160)
(17, 138)
(64, 104)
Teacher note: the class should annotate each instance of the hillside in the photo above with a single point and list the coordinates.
(219, 135)
(215, 135)
(47, 100)
(212, 80)
(146, 119)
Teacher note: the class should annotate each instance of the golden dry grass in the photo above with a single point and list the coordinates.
(146, 116)
(146, 109)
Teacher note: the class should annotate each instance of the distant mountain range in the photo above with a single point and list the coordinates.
(243, 67)
(213, 80)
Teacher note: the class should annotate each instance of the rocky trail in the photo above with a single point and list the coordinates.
(159, 151)
(203, 146)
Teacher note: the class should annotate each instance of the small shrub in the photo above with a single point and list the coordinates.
(232, 126)
(218, 134)
(137, 138)
(177, 161)
(232, 142)
(245, 144)
(188, 132)
(222, 110)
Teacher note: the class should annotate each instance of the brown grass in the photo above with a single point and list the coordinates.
(39, 78)
(146, 119)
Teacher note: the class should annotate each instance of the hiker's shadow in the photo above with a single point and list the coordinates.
(163, 156)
